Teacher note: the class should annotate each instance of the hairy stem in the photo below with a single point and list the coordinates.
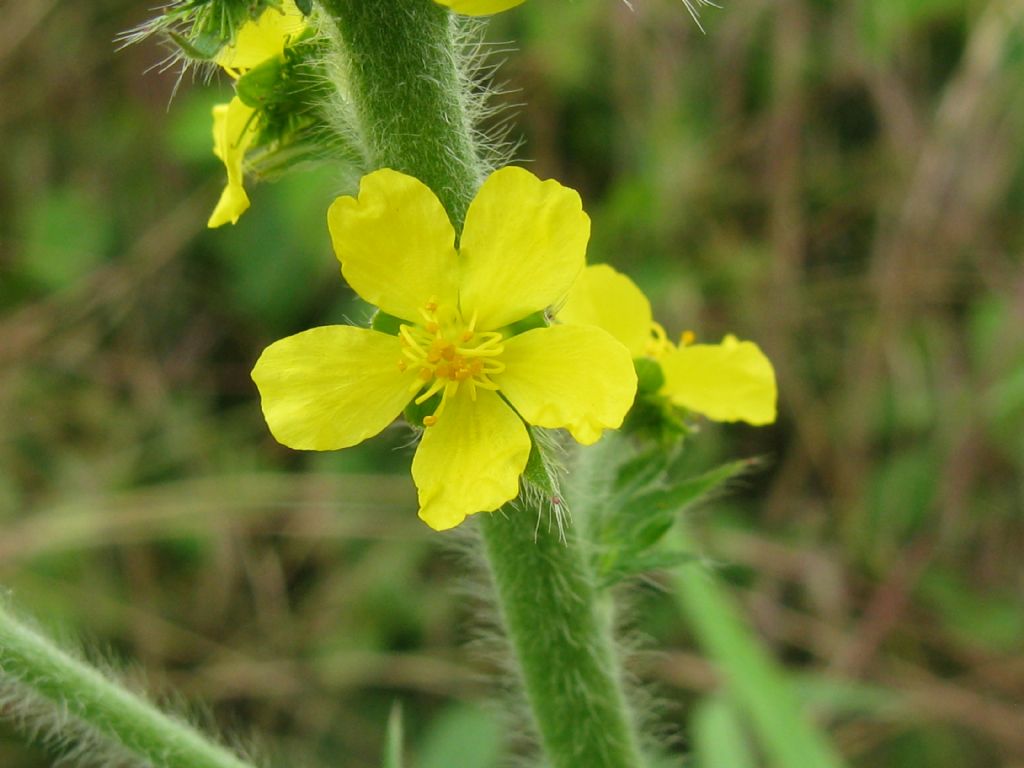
(562, 640)
(401, 68)
(402, 72)
(34, 664)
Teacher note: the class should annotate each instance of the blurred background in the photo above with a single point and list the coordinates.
(839, 181)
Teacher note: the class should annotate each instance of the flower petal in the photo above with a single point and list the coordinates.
(577, 377)
(479, 7)
(522, 248)
(731, 381)
(234, 129)
(395, 244)
(331, 387)
(604, 297)
(263, 38)
(232, 204)
(470, 460)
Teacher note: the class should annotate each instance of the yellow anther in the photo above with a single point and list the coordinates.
(446, 354)
(429, 421)
(686, 338)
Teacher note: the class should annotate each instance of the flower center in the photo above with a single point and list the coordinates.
(448, 353)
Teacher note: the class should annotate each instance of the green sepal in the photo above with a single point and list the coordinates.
(654, 418)
(650, 378)
(537, 472)
(203, 47)
(414, 412)
(386, 323)
(305, 6)
(528, 323)
(263, 84)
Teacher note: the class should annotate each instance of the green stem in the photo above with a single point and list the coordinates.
(33, 663)
(401, 71)
(562, 640)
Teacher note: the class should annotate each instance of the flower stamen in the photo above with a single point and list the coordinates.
(447, 352)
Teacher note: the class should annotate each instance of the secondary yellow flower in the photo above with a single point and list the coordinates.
(234, 129)
(731, 381)
(234, 124)
(262, 39)
(521, 249)
(479, 7)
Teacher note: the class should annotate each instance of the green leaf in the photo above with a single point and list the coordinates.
(637, 522)
(835, 697)
(641, 470)
(393, 744)
(719, 738)
(643, 520)
(755, 682)
(462, 736)
(645, 562)
(685, 493)
(203, 47)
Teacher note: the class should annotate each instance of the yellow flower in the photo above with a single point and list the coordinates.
(234, 129)
(522, 247)
(479, 7)
(262, 39)
(731, 381)
(234, 126)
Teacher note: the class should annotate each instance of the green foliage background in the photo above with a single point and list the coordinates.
(840, 181)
